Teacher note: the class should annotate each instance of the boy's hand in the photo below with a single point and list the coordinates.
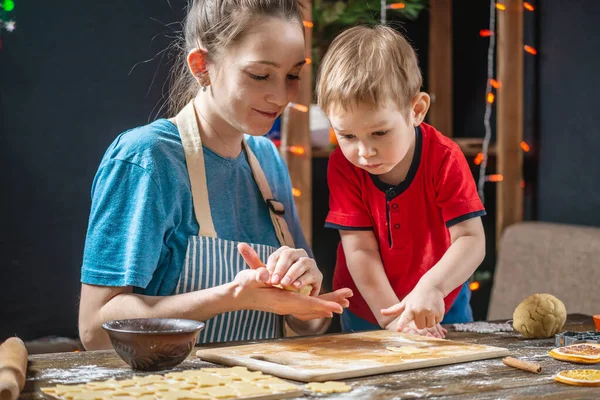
(437, 331)
(424, 305)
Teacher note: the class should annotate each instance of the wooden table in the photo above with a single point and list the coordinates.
(488, 379)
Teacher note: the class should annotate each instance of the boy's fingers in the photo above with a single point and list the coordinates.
(394, 310)
(405, 319)
(250, 256)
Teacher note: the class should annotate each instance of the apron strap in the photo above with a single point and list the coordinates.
(187, 124)
(276, 209)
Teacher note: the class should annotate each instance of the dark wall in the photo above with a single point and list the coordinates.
(66, 91)
(569, 164)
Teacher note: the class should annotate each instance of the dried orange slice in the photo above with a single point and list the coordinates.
(585, 353)
(579, 377)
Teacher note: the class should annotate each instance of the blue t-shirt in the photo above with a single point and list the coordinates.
(142, 211)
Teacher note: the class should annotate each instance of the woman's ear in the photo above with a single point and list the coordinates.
(419, 107)
(197, 59)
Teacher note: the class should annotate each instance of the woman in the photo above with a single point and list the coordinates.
(180, 205)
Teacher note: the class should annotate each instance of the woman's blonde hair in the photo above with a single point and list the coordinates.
(214, 25)
(368, 65)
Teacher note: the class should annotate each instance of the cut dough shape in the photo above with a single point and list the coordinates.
(328, 387)
(206, 383)
(221, 392)
(407, 349)
(304, 290)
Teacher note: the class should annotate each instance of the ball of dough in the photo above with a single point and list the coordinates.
(540, 316)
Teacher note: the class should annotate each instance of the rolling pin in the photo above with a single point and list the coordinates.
(13, 368)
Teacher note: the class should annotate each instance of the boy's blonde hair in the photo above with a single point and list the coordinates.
(368, 65)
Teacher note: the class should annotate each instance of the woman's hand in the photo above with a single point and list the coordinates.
(288, 267)
(254, 288)
(253, 292)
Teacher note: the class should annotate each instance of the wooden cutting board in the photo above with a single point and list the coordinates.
(342, 356)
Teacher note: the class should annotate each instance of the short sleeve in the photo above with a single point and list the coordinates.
(457, 195)
(126, 227)
(347, 209)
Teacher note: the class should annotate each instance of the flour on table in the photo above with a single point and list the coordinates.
(84, 373)
(483, 327)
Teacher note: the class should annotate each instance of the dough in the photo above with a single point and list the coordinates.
(207, 383)
(328, 387)
(407, 350)
(304, 290)
(540, 316)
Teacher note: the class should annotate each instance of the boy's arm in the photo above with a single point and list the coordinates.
(461, 259)
(366, 268)
(424, 304)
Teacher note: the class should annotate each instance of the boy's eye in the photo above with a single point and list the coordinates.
(347, 136)
(259, 77)
(380, 133)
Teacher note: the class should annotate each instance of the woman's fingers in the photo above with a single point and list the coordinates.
(285, 258)
(340, 296)
(250, 256)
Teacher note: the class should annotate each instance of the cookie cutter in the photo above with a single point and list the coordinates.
(568, 338)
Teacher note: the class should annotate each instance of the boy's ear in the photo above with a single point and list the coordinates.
(419, 107)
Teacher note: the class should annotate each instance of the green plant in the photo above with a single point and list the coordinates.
(330, 17)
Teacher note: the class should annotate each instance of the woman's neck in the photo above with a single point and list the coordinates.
(217, 134)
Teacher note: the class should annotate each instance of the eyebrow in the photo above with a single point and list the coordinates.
(379, 124)
(274, 64)
(373, 127)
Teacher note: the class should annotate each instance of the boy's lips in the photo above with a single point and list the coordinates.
(372, 166)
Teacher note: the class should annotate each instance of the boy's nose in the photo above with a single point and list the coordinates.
(366, 151)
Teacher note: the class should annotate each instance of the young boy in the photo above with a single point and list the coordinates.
(401, 193)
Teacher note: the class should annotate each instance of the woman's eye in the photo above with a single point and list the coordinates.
(293, 77)
(259, 77)
(380, 133)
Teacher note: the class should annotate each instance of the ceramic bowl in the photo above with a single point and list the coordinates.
(153, 344)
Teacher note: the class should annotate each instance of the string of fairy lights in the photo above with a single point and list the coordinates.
(300, 150)
(7, 21)
(492, 86)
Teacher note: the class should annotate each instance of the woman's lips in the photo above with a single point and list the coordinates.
(267, 114)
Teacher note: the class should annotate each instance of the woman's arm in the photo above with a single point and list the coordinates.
(102, 303)
(248, 291)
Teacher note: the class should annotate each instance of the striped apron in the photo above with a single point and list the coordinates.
(211, 261)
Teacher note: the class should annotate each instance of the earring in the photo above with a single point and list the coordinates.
(203, 81)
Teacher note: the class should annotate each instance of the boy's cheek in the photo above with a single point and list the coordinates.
(349, 152)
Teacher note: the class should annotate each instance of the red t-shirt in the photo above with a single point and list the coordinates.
(410, 220)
